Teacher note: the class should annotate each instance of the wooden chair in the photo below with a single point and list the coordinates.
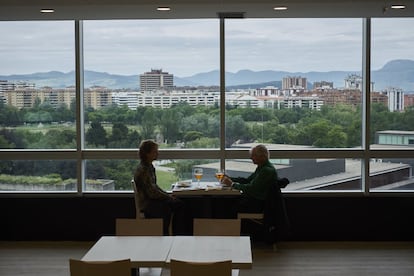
(138, 212)
(216, 227)
(138, 227)
(112, 268)
(184, 268)
(274, 215)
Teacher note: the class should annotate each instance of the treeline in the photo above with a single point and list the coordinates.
(181, 125)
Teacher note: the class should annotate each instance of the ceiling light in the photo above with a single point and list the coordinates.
(280, 8)
(398, 7)
(163, 9)
(47, 10)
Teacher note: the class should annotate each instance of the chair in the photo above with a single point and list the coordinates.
(216, 227)
(139, 213)
(274, 217)
(184, 268)
(138, 227)
(111, 268)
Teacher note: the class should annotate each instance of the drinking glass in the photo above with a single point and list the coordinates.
(198, 174)
(219, 175)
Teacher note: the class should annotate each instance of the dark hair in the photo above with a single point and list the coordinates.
(146, 147)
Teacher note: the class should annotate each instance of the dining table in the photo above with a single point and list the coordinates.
(157, 251)
(202, 188)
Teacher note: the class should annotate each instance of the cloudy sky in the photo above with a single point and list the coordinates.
(187, 47)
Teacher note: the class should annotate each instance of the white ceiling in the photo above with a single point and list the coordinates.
(146, 9)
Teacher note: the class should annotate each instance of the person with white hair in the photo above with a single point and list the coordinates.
(256, 187)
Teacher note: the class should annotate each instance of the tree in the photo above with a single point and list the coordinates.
(236, 129)
(149, 121)
(96, 135)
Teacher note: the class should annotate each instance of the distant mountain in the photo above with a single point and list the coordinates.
(397, 73)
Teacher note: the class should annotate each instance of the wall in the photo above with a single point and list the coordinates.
(312, 218)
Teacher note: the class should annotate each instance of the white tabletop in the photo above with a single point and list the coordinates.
(157, 251)
(144, 251)
(204, 188)
(213, 248)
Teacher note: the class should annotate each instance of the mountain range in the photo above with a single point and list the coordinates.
(395, 73)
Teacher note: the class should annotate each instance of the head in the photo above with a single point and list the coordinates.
(148, 151)
(259, 154)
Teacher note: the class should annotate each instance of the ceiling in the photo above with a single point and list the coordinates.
(146, 9)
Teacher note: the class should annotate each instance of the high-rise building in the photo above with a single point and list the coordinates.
(156, 80)
(294, 83)
(395, 99)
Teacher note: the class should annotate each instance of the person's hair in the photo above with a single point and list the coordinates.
(261, 150)
(146, 147)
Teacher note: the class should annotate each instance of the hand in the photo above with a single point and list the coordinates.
(226, 180)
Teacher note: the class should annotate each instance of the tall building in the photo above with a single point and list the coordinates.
(294, 83)
(156, 80)
(395, 98)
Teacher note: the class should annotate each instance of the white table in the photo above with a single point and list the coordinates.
(204, 189)
(213, 248)
(144, 251)
(157, 251)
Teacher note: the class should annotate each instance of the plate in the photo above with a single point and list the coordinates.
(183, 184)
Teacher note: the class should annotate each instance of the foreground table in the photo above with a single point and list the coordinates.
(213, 248)
(144, 251)
(157, 251)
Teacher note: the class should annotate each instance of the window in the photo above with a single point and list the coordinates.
(149, 94)
(294, 84)
(392, 117)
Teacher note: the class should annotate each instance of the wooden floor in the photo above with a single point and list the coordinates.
(291, 258)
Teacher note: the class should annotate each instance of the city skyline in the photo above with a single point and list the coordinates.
(186, 47)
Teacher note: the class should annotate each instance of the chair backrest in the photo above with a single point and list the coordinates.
(139, 213)
(216, 227)
(112, 268)
(139, 227)
(183, 268)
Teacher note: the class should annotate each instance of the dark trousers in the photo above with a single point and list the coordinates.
(166, 209)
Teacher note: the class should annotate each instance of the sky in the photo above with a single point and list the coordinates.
(187, 47)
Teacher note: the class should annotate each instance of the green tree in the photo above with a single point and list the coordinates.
(148, 124)
(96, 135)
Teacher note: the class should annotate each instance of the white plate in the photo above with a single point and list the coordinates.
(183, 184)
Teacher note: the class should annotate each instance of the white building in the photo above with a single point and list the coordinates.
(395, 99)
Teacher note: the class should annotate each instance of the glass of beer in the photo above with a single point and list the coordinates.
(198, 174)
(219, 175)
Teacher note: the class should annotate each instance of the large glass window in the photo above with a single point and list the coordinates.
(293, 84)
(294, 81)
(37, 103)
(392, 115)
(37, 79)
(151, 79)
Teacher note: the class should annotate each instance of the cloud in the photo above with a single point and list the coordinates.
(186, 47)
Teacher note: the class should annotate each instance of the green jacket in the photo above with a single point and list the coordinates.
(258, 183)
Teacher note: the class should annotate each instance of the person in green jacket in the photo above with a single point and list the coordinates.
(256, 187)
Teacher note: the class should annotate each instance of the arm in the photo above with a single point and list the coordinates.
(258, 183)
